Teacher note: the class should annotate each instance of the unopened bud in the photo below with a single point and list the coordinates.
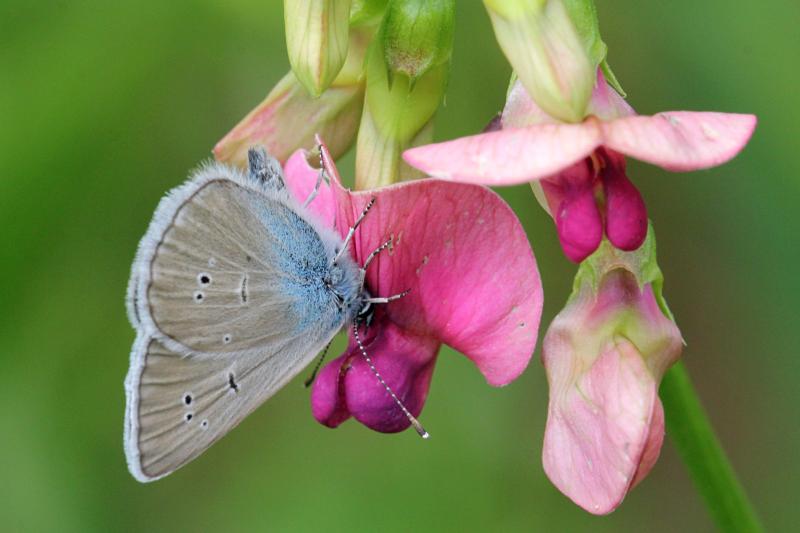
(317, 39)
(407, 69)
(555, 58)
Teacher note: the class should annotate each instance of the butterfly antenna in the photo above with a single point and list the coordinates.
(414, 422)
(307, 383)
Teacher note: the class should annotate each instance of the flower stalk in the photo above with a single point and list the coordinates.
(407, 70)
(691, 432)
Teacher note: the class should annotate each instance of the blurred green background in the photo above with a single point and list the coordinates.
(103, 107)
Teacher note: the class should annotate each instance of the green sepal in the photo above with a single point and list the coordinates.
(641, 263)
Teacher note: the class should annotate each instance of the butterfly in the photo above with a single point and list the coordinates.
(235, 288)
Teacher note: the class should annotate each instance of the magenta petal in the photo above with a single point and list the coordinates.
(406, 364)
(301, 178)
(509, 156)
(570, 195)
(626, 214)
(327, 395)
(465, 258)
(680, 140)
(599, 427)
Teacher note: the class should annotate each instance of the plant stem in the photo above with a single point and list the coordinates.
(691, 432)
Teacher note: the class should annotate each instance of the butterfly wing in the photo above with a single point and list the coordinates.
(230, 266)
(201, 364)
(178, 406)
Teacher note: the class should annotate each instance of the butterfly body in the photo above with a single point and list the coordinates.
(235, 288)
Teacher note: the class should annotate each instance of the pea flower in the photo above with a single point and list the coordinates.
(580, 168)
(605, 354)
(473, 282)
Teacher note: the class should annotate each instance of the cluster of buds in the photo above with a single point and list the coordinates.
(375, 70)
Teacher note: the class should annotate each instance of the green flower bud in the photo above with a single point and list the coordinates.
(367, 12)
(407, 69)
(317, 39)
(555, 57)
(418, 35)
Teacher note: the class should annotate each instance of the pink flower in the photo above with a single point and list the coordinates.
(577, 164)
(605, 354)
(473, 282)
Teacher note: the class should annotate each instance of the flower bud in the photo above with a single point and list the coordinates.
(289, 118)
(605, 354)
(316, 39)
(366, 12)
(418, 36)
(554, 57)
(407, 69)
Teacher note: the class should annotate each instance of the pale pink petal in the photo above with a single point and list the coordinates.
(680, 140)
(599, 426)
(289, 118)
(509, 156)
(520, 110)
(301, 178)
(652, 448)
(606, 103)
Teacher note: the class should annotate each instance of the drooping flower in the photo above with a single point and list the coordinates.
(605, 354)
(473, 283)
(581, 167)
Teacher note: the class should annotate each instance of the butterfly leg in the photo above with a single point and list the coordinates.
(313, 194)
(352, 231)
(372, 256)
(264, 168)
(320, 177)
(387, 299)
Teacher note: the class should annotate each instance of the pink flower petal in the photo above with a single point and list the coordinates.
(599, 427)
(626, 214)
(652, 448)
(521, 111)
(577, 217)
(301, 178)
(328, 404)
(289, 118)
(405, 361)
(348, 386)
(462, 252)
(509, 156)
(606, 103)
(466, 259)
(680, 140)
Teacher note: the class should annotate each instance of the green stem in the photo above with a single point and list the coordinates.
(691, 432)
